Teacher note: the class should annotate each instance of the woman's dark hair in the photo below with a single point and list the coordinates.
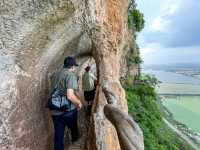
(87, 68)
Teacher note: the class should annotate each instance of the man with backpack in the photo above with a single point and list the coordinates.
(66, 82)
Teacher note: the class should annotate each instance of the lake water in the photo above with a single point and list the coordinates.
(185, 109)
(170, 77)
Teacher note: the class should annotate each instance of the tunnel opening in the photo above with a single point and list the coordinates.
(84, 120)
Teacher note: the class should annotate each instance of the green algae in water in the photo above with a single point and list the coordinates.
(186, 110)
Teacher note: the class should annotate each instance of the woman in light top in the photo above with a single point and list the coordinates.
(89, 87)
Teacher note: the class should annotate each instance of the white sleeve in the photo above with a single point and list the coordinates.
(93, 77)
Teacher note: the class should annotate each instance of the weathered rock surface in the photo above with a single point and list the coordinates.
(129, 134)
(35, 36)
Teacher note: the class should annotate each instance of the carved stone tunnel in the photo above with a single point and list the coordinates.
(35, 37)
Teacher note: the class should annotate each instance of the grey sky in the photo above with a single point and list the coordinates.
(172, 31)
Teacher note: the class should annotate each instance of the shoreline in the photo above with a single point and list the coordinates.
(196, 76)
(181, 134)
(193, 138)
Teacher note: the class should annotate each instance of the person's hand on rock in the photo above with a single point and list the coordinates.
(79, 106)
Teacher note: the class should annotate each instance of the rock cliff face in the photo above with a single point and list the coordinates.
(35, 36)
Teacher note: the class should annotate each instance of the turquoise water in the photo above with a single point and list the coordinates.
(185, 109)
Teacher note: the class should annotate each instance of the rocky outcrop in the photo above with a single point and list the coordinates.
(35, 36)
(109, 38)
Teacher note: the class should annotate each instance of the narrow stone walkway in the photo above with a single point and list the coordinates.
(83, 130)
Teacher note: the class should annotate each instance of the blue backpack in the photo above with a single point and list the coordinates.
(58, 101)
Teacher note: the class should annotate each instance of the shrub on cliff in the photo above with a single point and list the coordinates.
(134, 59)
(136, 19)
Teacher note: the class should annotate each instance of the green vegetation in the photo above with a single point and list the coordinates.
(142, 106)
(136, 22)
(150, 80)
(135, 19)
(134, 58)
(128, 80)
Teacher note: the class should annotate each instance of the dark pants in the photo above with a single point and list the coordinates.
(68, 119)
(89, 95)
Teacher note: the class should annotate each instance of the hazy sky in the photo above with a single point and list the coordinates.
(172, 31)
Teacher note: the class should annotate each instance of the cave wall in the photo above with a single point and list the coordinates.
(35, 37)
